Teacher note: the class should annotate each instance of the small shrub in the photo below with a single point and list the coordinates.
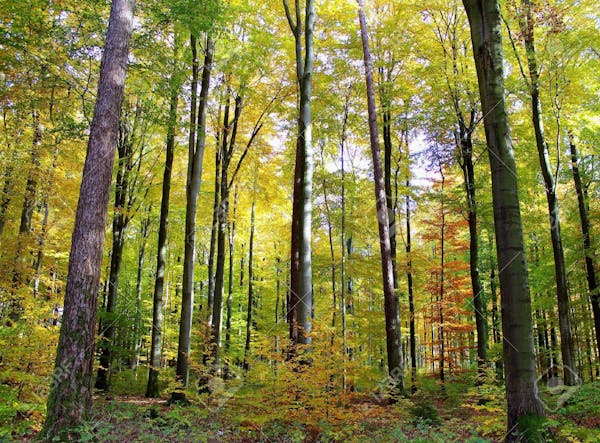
(425, 413)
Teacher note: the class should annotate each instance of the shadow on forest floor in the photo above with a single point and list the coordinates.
(256, 415)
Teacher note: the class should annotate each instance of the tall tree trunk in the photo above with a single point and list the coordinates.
(119, 225)
(250, 292)
(227, 147)
(137, 327)
(343, 239)
(301, 293)
(331, 250)
(466, 149)
(29, 200)
(70, 398)
(587, 241)
(519, 357)
(392, 316)
(411, 298)
(386, 114)
(442, 279)
(213, 233)
(562, 293)
(197, 141)
(152, 389)
(231, 237)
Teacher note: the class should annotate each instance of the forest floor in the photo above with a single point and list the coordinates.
(259, 414)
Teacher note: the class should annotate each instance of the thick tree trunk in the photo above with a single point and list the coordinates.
(562, 293)
(197, 141)
(392, 317)
(519, 357)
(152, 389)
(587, 241)
(301, 293)
(70, 397)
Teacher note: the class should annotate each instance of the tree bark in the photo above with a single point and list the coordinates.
(587, 241)
(562, 292)
(197, 141)
(250, 292)
(137, 327)
(70, 396)
(519, 357)
(152, 389)
(301, 293)
(411, 298)
(392, 316)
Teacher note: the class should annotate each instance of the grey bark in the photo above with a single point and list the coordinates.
(196, 147)
(301, 294)
(519, 357)
(562, 292)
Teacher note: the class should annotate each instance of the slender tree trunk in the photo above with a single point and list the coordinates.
(411, 298)
(227, 147)
(562, 293)
(8, 177)
(392, 317)
(197, 141)
(250, 292)
(152, 389)
(331, 250)
(119, 225)
(387, 173)
(213, 233)
(466, 148)
(31, 184)
(343, 241)
(137, 327)
(231, 237)
(441, 338)
(44, 229)
(70, 398)
(587, 241)
(519, 357)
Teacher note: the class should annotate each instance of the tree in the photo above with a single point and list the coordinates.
(583, 207)
(562, 290)
(70, 398)
(197, 141)
(392, 316)
(301, 291)
(519, 360)
(152, 390)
